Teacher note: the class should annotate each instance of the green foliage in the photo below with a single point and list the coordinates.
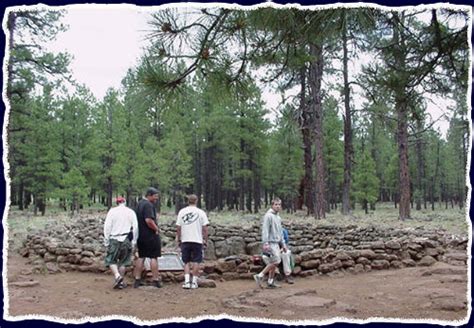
(74, 188)
(191, 119)
(366, 183)
(175, 174)
(39, 151)
(333, 149)
(284, 168)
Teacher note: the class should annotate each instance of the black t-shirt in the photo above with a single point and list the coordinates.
(145, 209)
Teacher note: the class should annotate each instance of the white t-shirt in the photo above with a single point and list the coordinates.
(118, 222)
(192, 219)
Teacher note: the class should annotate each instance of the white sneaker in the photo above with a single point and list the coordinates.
(187, 285)
(194, 285)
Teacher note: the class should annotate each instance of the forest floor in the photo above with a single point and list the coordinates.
(420, 293)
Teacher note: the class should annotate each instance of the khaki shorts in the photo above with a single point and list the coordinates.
(275, 257)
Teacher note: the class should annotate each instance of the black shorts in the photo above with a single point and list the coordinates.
(191, 252)
(150, 247)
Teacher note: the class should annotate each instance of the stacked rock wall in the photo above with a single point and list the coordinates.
(317, 248)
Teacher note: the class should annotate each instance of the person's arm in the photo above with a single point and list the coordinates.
(107, 229)
(150, 222)
(205, 235)
(134, 229)
(282, 242)
(205, 230)
(178, 235)
(265, 228)
(152, 225)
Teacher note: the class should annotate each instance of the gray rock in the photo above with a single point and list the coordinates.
(427, 261)
(310, 264)
(380, 264)
(409, 262)
(210, 252)
(230, 246)
(392, 244)
(378, 245)
(367, 253)
(253, 248)
(207, 283)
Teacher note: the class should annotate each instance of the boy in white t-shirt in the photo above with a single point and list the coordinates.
(191, 235)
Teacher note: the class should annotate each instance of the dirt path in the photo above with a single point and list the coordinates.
(438, 293)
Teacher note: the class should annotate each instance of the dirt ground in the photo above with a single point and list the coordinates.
(434, 293)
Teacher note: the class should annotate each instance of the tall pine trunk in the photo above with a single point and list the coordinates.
(305, 124)
(404, 174)
(348, 150)
(401, 108)
(420, 166)
(315, 78)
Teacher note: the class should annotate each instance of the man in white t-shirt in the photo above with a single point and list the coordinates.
(191, 235)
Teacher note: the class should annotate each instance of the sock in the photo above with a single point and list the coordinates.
(270, 280)
(261, 275)
(186, 277)
(195, 279)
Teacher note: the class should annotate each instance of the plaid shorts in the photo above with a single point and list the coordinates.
(119, 253)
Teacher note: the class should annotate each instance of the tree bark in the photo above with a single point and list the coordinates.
(305, 124)
(404, 175)
(348, 150)
(401, 107)
(315, 78)
(420, 166)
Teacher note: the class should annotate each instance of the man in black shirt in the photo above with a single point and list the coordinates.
(149, 242)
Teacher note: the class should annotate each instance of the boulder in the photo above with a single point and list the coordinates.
(311, 264)
(363, 260)
(379, 244)
(243, 267)
(432, 252)
(230, 246)
(48, 257)
(358, 268)
(409, 262)
(52, 267)
(230, 276)
(210, 251)
(86, 261)
(367, 253)
(225, 266)
(396, 264)
(392, 244)
(209, 267)
(253, 248)
(380, 264)
(325, 268)
(207, 283)
(348, 264)
(343, 256)
(427, 261)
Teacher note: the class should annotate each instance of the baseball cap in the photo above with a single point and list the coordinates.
(119, 200)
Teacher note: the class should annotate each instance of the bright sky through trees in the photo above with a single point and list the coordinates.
(106, 40)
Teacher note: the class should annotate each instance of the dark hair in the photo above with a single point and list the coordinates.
(151, 191)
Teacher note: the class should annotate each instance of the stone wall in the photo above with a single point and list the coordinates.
(318, 249)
